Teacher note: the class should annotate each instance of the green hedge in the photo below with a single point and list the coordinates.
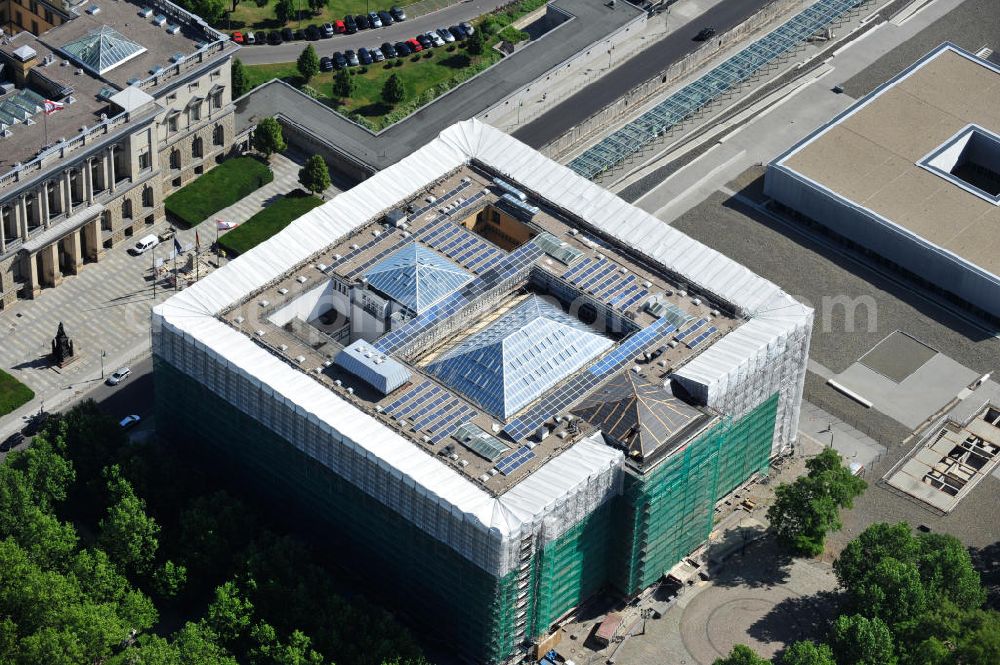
(221, 187)
(13, 393)
(267, 222)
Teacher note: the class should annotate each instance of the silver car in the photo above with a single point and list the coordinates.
(119, 376)
(445, 35)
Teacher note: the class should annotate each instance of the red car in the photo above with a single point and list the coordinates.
(339, 27)
(238, 37)
(414, 45)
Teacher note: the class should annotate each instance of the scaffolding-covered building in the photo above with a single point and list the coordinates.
(503, 388)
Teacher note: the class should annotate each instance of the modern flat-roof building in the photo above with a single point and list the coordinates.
(144, 105)
(911, 174)
(504, 388)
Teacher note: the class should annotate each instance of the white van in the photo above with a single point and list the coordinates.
(144, 244)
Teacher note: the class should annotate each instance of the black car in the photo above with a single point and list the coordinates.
(386, 18)
(402, 49)
(704, 34)
(339, 61)
(425, 41)
(397, 13)
(274, 37)
(365, 57)
(350, 25)
(363, 22)
(299, 34)
(325, 64)
(11, 441)
(388, 50)
(457, 32)
(313, 33)
(287, 34)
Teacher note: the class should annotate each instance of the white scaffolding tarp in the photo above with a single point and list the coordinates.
(565, 488)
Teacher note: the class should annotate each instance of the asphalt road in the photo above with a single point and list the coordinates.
(288, 52)
(642, 67)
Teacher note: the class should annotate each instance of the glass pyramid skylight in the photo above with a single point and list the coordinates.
(416, 277)
(102, 50)
(511, 363)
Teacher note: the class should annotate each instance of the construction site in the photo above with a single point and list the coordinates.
(499, 388)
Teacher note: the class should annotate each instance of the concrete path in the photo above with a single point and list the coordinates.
(466, 10)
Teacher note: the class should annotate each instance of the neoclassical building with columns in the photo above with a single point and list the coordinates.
(143, 105)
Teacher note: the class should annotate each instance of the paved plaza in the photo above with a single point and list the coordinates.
(106, 309)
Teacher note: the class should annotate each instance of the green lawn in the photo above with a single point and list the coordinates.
(223, 186)
(249, 15)
(13, 393)
(268, 221)
(423, 78)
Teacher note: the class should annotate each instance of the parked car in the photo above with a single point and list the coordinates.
(144, 244)
(350, 24)
(415, 45)
(397, 13)
(704, 34)
(288, 34)
(445, 35)
(299, 34)
(339, 61)
(424, 42)
(129, 421)
(238, 37)
(119, 376)
(457, 32)
(274, 37)
(365, 57)
(328, 30)
(386, 18)
(11, 442)
(435, 38)
(388, 50)
(467, 28)
(325, 64)
(374, 20)
(249, 38)
(362, 21)
(403, 49)
(312, 33)
(352, 58)
(377, 54)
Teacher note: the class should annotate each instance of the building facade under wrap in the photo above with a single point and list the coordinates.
(495, 528)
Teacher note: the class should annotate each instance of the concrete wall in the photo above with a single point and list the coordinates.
(340, 164)
(629, 103)
(914, 254)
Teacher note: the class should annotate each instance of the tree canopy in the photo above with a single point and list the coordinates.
(314, 175)
(742, 655)
(268, 137)
(805, 511)
(807, 652)
(343, 84)
(284, 10)
(308, 63)
(393, 91)
(241, 83)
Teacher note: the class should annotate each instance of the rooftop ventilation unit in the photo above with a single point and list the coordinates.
(159, 19)
(156, 70)
(176, 57)
(173, 29)
(510, 189)
(93, 10)
(145, 12)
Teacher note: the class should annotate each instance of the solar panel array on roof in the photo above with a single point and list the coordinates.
(416, 277)
(102, 50)
(513, 462)
(639, 415)
(519, 356)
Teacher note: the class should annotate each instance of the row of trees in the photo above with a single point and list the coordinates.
(98, 538)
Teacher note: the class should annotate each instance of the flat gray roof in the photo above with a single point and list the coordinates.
(591, 22)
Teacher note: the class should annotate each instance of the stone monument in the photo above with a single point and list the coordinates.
(62, 348)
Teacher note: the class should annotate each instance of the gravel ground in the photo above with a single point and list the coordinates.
(972, 25)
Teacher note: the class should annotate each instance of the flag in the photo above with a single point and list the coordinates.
(197, 241)
(51, 106)
(224, 226)
(177, 246)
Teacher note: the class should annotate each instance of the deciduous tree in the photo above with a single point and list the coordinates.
(393, 91)
(268, 138)
(807, 652)
(857, 640)
(241, 84)
(284, 10)
(343, 84)
(308, 63)
(314, 175)
(742, 655)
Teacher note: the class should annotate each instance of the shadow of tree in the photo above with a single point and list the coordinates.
(986, 560)
(457, 61)
(797, 618)
(752, 559)
(374, 110)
